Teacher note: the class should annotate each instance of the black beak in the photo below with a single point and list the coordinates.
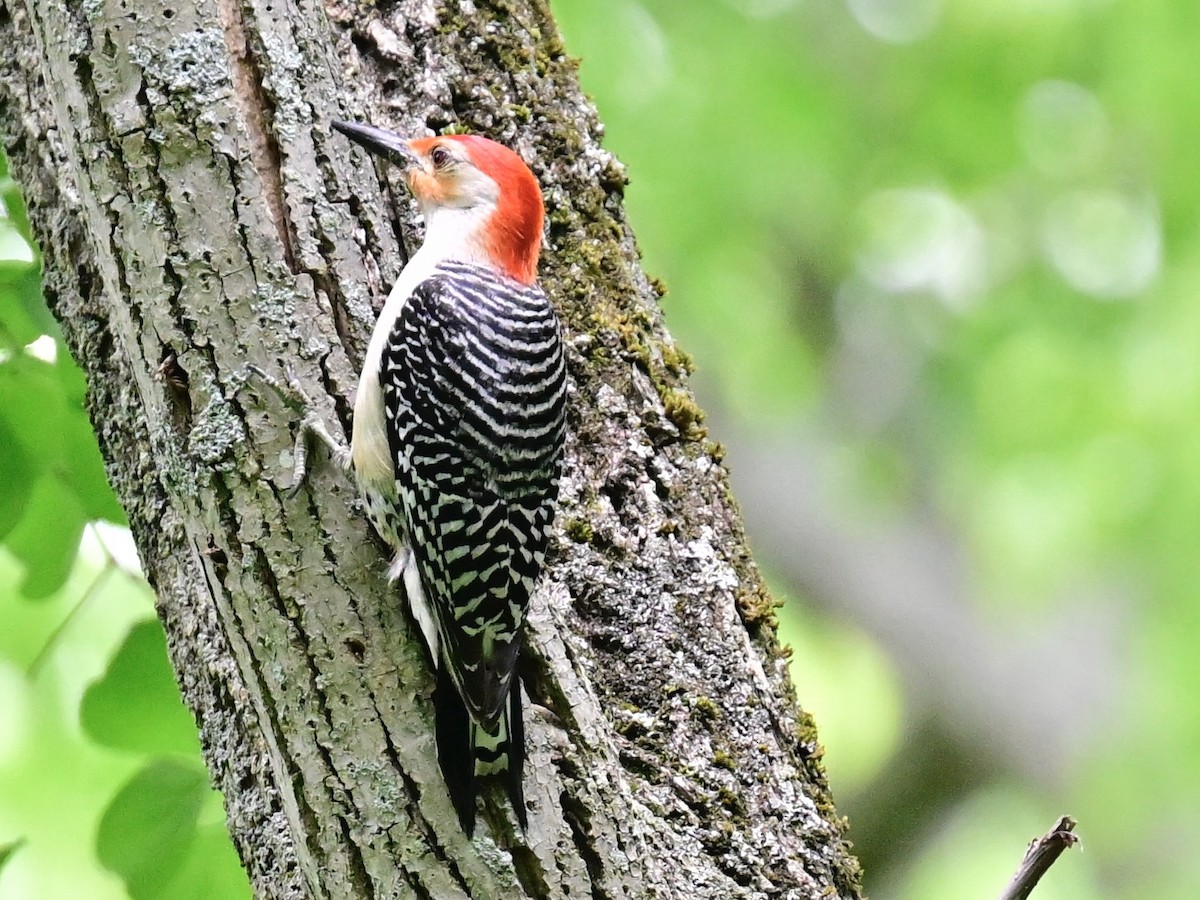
(390, 146)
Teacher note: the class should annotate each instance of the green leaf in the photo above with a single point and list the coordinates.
(212, 870)
(45, 425)
(47, 537)
(84, 469)
(10, 197)
(82, 466)
(148, 829)
(23, 312)
(34, 407)
(16, 477)
(136, 704)
(15, 251)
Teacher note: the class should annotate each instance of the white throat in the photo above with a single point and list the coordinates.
(451, 234)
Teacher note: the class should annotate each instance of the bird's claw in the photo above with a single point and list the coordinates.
(292, 394)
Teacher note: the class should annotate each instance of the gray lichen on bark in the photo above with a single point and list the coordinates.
(196, 215)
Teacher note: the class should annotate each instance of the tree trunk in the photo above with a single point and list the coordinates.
(196, 214)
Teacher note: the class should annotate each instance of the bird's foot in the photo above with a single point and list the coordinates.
(292, 395)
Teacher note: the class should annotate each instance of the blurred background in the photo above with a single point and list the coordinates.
(936, 262)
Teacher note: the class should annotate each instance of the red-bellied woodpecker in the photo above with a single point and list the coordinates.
(458, 437)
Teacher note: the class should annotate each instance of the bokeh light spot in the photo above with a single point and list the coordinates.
(1103, 243)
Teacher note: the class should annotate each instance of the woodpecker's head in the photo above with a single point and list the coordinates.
(470, 174)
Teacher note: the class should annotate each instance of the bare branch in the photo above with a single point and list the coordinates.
(1040, 856)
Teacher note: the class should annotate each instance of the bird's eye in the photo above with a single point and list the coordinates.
(441, 157)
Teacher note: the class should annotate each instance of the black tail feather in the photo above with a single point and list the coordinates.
(455, 753)
(458, 751)
(514, 777)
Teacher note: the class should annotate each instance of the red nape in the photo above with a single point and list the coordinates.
(514, 232)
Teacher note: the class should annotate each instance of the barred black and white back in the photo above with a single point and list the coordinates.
(474, 387)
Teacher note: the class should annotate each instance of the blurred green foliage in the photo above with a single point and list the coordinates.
(957, 240)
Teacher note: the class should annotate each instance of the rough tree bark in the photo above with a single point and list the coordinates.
(196, 215)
